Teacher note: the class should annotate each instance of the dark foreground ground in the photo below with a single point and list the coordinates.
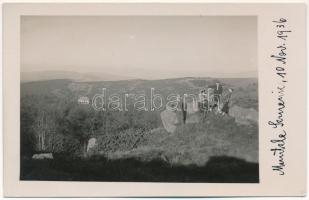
(217, 170)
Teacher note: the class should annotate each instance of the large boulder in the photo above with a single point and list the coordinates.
(193, 114)
(169, 120)
(42, 156)
(244, 116)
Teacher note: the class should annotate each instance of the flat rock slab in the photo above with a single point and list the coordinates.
(41, 156)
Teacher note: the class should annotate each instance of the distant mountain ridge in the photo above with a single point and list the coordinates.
(70, 75)
(98, 76)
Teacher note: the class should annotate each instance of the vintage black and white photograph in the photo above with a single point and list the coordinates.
(139, 99)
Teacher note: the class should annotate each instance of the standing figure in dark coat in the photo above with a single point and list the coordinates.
(226, 108)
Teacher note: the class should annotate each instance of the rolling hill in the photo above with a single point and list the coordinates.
(74, 76)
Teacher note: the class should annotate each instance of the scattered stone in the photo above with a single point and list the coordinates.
(42, 156)
(91, 143)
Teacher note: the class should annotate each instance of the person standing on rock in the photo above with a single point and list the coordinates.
(217, 87)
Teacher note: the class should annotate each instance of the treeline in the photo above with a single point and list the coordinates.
(60, 125)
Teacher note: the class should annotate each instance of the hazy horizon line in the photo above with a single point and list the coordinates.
(212, 74)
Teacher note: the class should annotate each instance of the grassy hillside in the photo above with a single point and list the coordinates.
(196, 143)
(132, 144)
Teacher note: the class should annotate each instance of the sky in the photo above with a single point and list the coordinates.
(146, 47)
